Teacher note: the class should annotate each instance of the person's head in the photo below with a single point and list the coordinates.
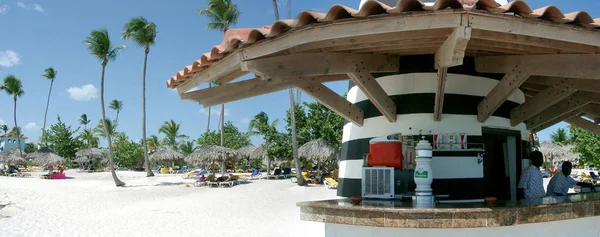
(537, 158)
(566, 168)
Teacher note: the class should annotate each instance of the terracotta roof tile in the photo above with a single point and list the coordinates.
(236, 38)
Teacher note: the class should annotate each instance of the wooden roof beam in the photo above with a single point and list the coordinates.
(250, 88)
(592, 85)
(541, 101)
(505, 88)
(333, 101)
(451, 53)
(569, 107)
(584, 66)
(369, 85)
(225, 67)
(584, 124)
(319, 64)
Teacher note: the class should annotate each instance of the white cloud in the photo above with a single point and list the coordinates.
(35, 6)
(245, 120)
(3, 9)
(84, 93)
(9, 58)
(31, 126)
(2, 122)
(215, 112)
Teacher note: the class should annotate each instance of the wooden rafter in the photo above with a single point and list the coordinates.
(584, 66)
(534, 87)
(228, 68)
(593, 110)
(573, 105)
(439, 93)
(368, 85)
(250, 88)
(584, 124)
(505, 88)
(452, 51)
(542, 101)
(318, 64)
(573, 113)
(333, 101)
(592, 85)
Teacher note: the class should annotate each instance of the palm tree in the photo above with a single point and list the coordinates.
(187, 148)
(560, 137)
(87, 135)
(111, 127)
(171, 131)
(143, 33)
(153, 143)
(116, 105)
(260, 125)
(4, 128)
(293, 118)
(100, 46)
(83, 120)
(49, 74)
(222, 15)
(13, 87)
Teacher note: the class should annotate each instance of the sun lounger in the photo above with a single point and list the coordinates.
(287, 172)
(330, 183)
(275, 174)
(594, 176)
(255, 174)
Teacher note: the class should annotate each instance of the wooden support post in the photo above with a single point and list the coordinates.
(452, 51)
(439, 93)
(368, 85)
(571, 106)
(541, 101)
(333, 101)
(584, 124)
(505, 88)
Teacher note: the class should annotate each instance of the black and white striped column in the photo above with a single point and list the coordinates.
(414, 95)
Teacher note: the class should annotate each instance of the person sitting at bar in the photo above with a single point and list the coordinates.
(561, 182)
(532, 181)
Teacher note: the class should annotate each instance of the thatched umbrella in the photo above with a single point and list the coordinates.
(246, 152)
(44, 156)
(553, 152)
(167, 155)
(90, 153)
(319, 149)
(212, 153)
(11, 157)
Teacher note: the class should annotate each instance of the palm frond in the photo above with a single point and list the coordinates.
(50, 73)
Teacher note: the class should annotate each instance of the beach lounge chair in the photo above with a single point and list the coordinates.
(330, 183)
(275, 174)
(586, 177)
(255, 174)
(200, 184)
(287, 172)
(212, 183)
(594, 176)
(336, 174)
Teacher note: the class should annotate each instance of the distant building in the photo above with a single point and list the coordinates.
(9, 141)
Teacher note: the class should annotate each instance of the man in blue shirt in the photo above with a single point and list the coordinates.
(531, 181)
(559, 184)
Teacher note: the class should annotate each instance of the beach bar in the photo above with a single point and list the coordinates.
(443, 102)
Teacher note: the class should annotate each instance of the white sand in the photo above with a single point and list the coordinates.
(90, 205)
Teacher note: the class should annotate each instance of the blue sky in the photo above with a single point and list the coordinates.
(49, 33)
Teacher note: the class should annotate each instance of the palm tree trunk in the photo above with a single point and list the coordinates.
(17, 127)
(276, 10)
(294, 141)
(149, 172)
(47, 105)
(223, 168)
(111, 163)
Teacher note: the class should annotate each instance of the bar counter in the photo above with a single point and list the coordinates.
(398, 214)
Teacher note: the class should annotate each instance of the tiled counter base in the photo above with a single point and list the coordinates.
(460, 215)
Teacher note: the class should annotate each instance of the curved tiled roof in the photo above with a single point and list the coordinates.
(236, 38)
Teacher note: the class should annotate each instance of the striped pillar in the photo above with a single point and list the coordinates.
(414, 94)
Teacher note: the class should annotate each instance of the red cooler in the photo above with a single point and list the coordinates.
(385, 153)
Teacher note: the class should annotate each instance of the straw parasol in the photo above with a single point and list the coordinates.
(246, 152)
(258, 153)
(44, 156)
(11, 157)
(319, 149)
(212, 153)
(90, 153)
(167, 155)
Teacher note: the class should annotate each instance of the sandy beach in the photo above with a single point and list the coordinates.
(90, 205)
